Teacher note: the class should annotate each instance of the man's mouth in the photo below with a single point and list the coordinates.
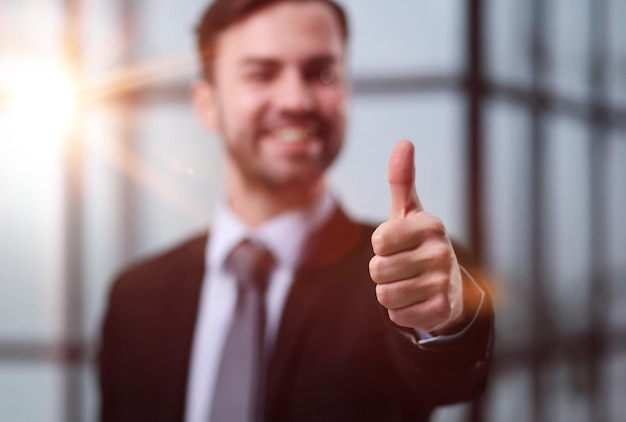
(293, 134)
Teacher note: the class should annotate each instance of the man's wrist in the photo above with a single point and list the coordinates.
(464, 318)
(473, 298)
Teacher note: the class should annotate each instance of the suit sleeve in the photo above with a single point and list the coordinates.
(455, 367)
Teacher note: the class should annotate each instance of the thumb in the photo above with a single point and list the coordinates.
(401, 175)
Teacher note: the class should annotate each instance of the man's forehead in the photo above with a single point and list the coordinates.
(284, 29)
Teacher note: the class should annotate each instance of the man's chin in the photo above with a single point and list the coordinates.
(295, 179)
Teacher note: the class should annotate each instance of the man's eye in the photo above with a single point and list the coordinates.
(260, 76)
(325, 76)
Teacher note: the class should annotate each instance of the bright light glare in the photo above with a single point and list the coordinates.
(37, 105)
(41, 95)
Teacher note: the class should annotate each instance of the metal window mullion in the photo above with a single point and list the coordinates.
(543, 332)
(475, 93)
(72, 351)
(598, 288)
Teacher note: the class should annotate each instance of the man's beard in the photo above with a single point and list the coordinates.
(245, 153)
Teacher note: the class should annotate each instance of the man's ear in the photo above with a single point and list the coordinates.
(203, 100)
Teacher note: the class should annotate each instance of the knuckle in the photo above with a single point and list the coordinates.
(434, 226)
(439, 255)
(382, 295)
(374, 267)
(380, 239)
(440, 307)
(439, 283)
(398, 318)
(385, 237)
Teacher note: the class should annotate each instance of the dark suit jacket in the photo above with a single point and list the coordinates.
(337, 356)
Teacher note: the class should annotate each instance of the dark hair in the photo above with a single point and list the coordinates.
(222, 14)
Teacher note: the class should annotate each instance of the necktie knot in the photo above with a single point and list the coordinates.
(251, 263)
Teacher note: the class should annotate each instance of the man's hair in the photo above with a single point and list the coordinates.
(222, 14)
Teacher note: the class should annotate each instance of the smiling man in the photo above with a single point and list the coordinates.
(276, 92)
(289, 310)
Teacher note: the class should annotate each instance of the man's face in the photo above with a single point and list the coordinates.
(279, 94)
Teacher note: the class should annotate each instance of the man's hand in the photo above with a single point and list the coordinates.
(415, 268)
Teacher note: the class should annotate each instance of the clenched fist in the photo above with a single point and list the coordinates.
(415, 269)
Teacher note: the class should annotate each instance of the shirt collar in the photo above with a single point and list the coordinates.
(284, 235)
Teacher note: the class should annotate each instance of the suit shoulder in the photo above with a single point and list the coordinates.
(157, 271)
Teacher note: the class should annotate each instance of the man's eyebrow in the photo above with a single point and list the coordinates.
(324, 59)
(259, 61)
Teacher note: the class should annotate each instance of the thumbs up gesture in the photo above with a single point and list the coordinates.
(415, 269)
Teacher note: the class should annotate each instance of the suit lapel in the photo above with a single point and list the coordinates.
(179, 325)
(313, 282)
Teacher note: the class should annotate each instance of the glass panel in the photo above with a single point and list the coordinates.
(30, 26)
(453, 413)
(31, 223)
(507, 149)
(433, 123)
(566, 215)
(509, 396)
(31, 392)
(617, 52)
(90, 393)
(413, 37)
(568, 47)
(175, 172)
(507, 36)
(163, 35)
(32, 95)
(105, 39)
(401, 43)
(568, 398)
(105, 171)
(615, 370)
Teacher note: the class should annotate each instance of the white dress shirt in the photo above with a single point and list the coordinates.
(285, 237)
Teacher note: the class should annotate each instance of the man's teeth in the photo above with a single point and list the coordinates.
(292, 135)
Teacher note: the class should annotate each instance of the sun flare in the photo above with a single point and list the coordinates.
(40, 95)
(37, 106)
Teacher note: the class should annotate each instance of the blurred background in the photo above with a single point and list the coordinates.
(518, 113)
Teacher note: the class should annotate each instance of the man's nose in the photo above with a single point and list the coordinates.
(295, 93)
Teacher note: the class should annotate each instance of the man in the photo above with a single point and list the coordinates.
(334, 345)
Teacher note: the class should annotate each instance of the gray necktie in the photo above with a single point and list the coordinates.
(239, 389)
